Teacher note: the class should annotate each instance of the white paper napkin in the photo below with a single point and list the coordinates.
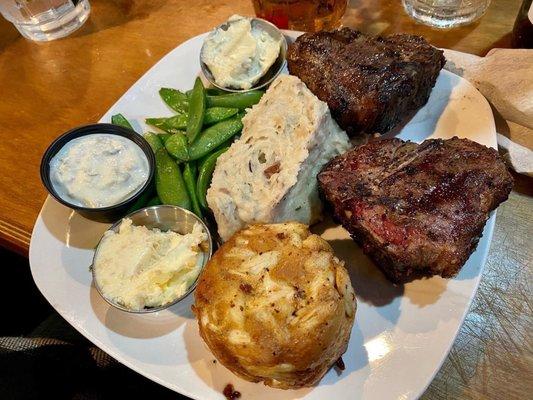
(505, 78)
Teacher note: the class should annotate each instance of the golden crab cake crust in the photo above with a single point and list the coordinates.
(275, 305)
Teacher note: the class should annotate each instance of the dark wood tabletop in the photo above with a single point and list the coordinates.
(48, 88)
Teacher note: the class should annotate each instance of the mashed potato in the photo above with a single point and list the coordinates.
(138, 267)
(268, 175)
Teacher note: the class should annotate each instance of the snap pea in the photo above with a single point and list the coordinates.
(227, 143)
(214, 136)
(215, 91)
(164, 136)
(235, 100)
(169, 181)
(155, 201)
(119, 119)
(171, 124)
(189, 176)
(176, 146)
(175, 99)
(204, 176)
(217, 114)
(179, 122)
(209, 92)
(153, 140)
(196, 111)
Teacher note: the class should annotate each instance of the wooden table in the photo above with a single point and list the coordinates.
(47, 88)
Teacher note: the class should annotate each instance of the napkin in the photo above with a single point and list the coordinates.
(505, 78)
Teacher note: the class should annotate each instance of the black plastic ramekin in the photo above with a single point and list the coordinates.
(102, 214)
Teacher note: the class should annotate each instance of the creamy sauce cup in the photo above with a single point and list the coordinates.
(164, 218)
(101, 214)
(272, 72)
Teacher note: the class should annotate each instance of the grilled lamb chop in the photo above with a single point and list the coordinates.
(369, 83)
(417, 210)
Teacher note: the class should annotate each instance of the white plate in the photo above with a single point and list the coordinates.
(401, 334)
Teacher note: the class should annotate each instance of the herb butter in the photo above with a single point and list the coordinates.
(239, 55)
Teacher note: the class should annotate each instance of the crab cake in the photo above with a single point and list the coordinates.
(275, 305)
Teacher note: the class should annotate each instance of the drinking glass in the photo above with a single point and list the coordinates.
(45, 20)
(445, 13)
(301, 15)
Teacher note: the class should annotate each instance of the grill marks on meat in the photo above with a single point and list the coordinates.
(369, 83)
(417, 210)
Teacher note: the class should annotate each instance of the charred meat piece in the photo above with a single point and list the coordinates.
(417, 210)
(370, 83)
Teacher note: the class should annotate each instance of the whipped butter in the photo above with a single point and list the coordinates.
(239, 55)
(140, 267)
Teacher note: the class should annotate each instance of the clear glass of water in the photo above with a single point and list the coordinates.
(44, 20)
(446, 13)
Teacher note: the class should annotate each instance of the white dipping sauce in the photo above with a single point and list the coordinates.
(98, 170)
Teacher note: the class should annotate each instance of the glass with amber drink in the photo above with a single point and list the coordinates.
(302, 15)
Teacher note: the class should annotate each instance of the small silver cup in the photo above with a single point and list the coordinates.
(272, 72)
(164, 218)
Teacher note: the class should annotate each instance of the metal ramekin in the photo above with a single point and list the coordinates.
(272, 72)
(163, 217)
